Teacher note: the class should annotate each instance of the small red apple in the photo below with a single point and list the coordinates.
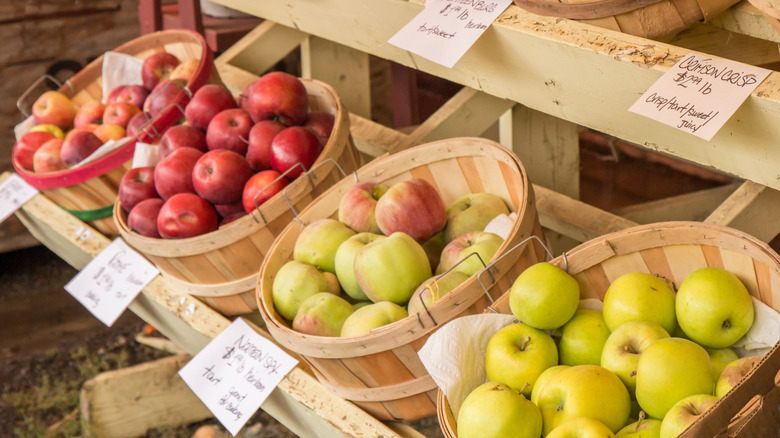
(54, 108)
(133, 94)
(47, 157)
(232, 217)
(180, 136)
(136, 185)
(113, 95)
(135, 124)
(321, 124)
(411, 206)
(207, 102)
(108, 132)
(90, 112)
(229, 129)
(226, 210)
(219, 176)
(357, 208)
(261, 135)
(277, 95)
(143, 217)
(173, 174)
(162, 96)
(293, 145)
(120, 113)
(261, 187)
(186, 215)
(78, 145)
(157, 67)
(25, 148)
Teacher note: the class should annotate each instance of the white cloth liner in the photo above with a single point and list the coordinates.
(145, 155)
(120, 69)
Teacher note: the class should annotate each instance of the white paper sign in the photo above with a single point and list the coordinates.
(108, 284)
(445, 29)
(235, 373)
(14, 192)
(699, 94)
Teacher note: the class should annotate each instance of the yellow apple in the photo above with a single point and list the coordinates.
(583, 338)
(542, 379)
(544, 296)
(625, 346)
(642, 428)
(517, 354)
(638, 296)
(684, 413)
(720, 357)
(494, 410)
(581, 427)
(371, 316)
(733, 373)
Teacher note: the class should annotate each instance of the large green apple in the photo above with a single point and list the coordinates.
(542, 379)
(517, 354)
(625, 346)
(637, 296)
(714, 308)
(344, 263)
(584, 391)
(643, 428)
(582, 338)
(670, 370)
(684, 413)
(581, 427)
(494, 410)
(372, 316)
(318, 242)
(322, 314)
(733, 374)
(720, 357)
(544, 296)
(295, 282)
(483, 243)
(391, 269)
(434, 289)
(472, 212)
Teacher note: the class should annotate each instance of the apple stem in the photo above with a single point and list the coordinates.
(243, 139)
(525, 343)
(525, 385)
(632, 373)
(628, 349)
(642, 417)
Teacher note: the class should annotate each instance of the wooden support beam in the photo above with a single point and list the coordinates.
(744, 18)
(752, 208)
(263, 47)
(694, 206)
(720, 42)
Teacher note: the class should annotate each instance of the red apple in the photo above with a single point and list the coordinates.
(262, 186)
(226, 210)
(219, 176)
(113, 95)
(321, 124)
(47, 157)
(162, 96)
(120, 113)
(186, 70)
(207, 102)
(229, 129)
(25, 148)
(136, 185)
(173, 174)
(132, 94)
(78, 145)
(293, 145)
(412, 206)
(90, 112)
(483, 243)
(186, 215)
(135, 124)
(143, 217)
(261, 135)
(358, 205)
(277, 95)
(108, 132)
(54, 108)
(232, 217)
(181, 136)
(157, 67)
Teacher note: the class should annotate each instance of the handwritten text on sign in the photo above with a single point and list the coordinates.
(14, 192)
(446, 29)
(699, 94)
(235, 373)
(108, 284)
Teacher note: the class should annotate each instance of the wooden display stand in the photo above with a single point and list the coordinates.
(589, 77)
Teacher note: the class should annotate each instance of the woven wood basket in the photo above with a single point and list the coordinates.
(221, 267)
(380, 371)
(89, 191)
(653, 19)
(674, 250)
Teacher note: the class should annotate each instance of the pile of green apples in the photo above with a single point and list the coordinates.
(382, 254)
(647, 365)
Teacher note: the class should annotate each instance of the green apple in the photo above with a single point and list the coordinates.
(670, 370)
(517, 354)
(581, 427)
(472, 212)
(625, 346)
(684, 413)
(322, 314)
(642, 428)
(542, 379)
(433, 289)
(637, 296)
(391, 269)
(714, 308)
(372, 316)
(318, 242)
(480, 242)
(720, 357)
(544, 296)
(733, 373)
(360, 304)
(295, 282)
(494, 410)
(584, 391)
(583, 338)
(344, 263)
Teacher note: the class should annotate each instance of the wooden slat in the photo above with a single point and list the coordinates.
(694, 206)
(263, 47)
(752, 208)
(726, 44)
(744, 18)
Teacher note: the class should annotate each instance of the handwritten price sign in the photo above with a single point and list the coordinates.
(108, 284)
(235, 373)
(446, 29)
(699, 94)
(14, 192)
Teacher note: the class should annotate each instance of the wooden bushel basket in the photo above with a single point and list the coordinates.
(652, 19)
(89, 191)
(771, 10)
(380, 371)
(673, 250)
(221, 267)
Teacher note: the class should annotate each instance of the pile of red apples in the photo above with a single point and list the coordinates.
(226, 159)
